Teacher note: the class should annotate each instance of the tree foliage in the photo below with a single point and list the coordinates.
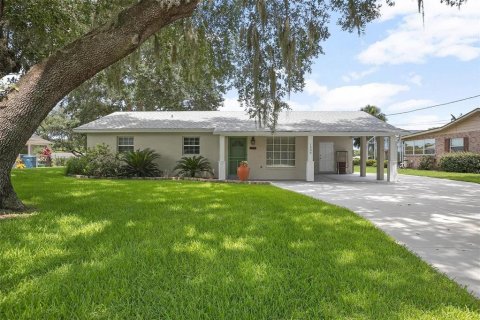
(152, 78)
(262, 48)
(374, 111)
(58, 128)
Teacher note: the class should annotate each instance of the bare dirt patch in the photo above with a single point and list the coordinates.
(13, 214)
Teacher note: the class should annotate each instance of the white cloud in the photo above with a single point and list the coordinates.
(352, 76)
(415, 79)
(419, 122)
(231, 104)
(349, 97)
(447, 32)
(408, 105)
(297, 106)
(314, 88)
(400, 8)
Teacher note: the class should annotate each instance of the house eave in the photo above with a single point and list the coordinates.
(138, 130)
(245, 133)
(307, 133)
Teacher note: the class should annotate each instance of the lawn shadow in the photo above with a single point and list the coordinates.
(173, 249)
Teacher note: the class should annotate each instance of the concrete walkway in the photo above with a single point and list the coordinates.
(437, 219)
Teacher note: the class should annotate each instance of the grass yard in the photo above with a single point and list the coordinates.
(467, 177)
(369, 169)
(100, 249)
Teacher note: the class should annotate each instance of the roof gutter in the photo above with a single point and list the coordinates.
(139, 130)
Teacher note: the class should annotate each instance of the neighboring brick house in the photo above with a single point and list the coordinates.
(460, 135)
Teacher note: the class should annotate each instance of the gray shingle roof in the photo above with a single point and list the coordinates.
(233, 121)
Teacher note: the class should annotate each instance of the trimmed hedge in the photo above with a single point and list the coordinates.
(370, 163)
(427, 163)
(76, 165)
(464, 162)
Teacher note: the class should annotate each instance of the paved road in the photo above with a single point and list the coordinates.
(437, 219)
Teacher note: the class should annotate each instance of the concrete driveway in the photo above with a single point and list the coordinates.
(437, 219)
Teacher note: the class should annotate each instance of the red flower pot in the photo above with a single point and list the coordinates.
(243, 173)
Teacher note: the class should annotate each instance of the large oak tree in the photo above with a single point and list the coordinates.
(262, 47)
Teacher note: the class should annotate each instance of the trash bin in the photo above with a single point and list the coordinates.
(29, 161)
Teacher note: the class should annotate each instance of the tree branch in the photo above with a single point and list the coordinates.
(47, 82)
(2, 10)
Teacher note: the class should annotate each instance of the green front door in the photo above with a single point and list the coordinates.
(237, 152)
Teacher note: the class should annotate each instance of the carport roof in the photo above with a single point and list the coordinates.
(233, 122)
(37, 140)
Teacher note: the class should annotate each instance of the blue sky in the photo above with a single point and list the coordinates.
(399, 65)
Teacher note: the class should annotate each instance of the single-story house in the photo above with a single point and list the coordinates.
(36, 141)
(303, 145)
(462, 134)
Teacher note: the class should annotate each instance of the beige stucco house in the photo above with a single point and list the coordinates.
(303, 145)
(461, 135)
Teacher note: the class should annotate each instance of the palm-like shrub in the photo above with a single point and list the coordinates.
(190, 166)
(140, 163)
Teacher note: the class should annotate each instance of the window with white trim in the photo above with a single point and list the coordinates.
(281, 152)
(125, 144)
(191, 145)
(408, 147)
(429, 146)
(457, 145)
(419, 147)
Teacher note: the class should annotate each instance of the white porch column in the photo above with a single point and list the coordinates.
(29, 146)
(392, 160)
(221, 159)
(363, 156)
(310, 174)
(380, 158)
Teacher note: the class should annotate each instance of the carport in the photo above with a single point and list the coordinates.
(392, 169)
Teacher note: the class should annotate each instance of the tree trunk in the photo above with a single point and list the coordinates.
(8, 197)
(47, 82)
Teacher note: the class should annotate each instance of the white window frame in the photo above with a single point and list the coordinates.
(434, 147)
(276, 143)
(462, 145)
(405, 147)
(190, 145)
(132, 145)
(415, 147)
(423, 149)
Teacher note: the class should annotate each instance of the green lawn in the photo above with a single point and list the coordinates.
(467, 177)
(369, 169)
(100, 249)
